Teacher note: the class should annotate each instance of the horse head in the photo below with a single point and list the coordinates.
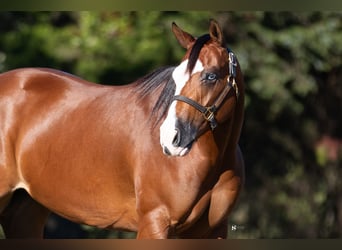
(206, 91)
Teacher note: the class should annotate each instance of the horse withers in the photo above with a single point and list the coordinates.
(159, 156)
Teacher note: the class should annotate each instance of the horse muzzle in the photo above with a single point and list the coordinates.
(177, 137)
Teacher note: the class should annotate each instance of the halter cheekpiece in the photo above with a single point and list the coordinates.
(209, 112)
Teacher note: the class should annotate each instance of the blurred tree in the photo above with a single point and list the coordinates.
(292, 64)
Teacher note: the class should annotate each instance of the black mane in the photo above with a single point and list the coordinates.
(151, 82)
(163, 77)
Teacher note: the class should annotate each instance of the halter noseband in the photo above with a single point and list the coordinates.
(208, 112)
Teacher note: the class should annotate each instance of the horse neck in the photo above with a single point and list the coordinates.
(125, 101)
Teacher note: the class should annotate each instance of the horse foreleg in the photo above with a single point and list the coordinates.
(154, 225)
(213, 222)
(23, 217)
(201, 229)
(219, 232)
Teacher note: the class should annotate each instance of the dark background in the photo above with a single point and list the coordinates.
(291, 139)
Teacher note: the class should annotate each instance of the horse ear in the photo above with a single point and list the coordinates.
(216, 32)
(184, 38)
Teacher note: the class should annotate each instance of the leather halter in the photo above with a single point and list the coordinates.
(209, 112)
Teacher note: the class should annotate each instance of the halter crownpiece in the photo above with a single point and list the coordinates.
(208, 112)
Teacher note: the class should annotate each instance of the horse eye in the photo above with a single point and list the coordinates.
(210, 77)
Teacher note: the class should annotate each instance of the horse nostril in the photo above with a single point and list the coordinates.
(177, 139)
(166, 151)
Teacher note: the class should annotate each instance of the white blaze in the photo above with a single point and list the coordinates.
(168, 128)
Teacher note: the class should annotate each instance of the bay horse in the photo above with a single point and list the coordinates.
(158, 156)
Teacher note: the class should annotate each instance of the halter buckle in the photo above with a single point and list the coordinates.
(235, 87)
(209, 115)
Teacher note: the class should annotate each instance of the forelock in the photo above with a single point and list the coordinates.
(195, 51)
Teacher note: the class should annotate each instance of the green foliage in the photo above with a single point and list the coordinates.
(292, 67)
(109, 47)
